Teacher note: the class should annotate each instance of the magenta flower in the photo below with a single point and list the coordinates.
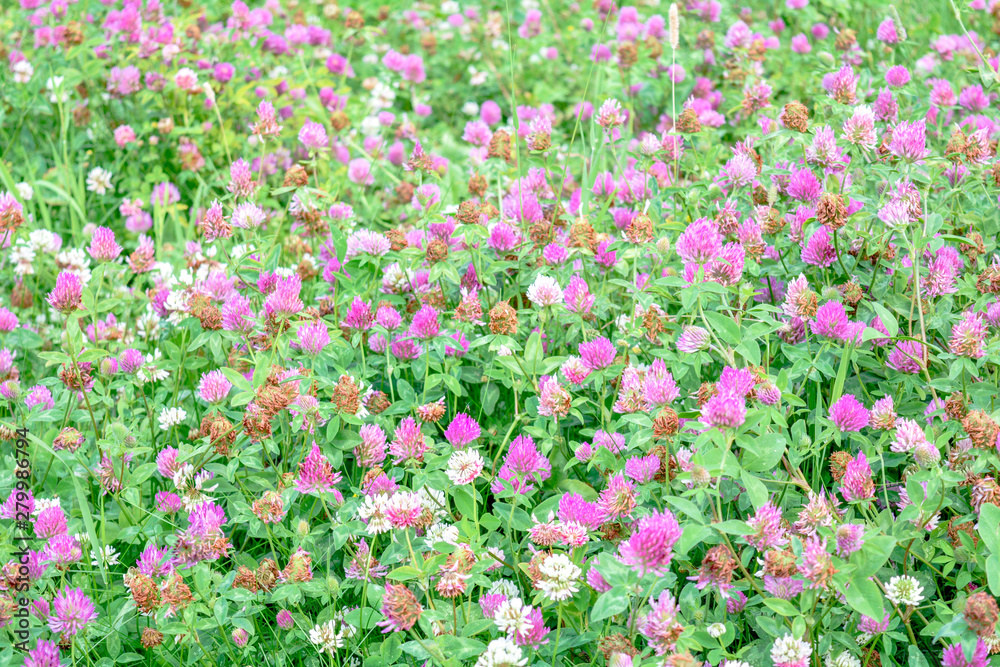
(236, 315)
(214, 387)
(700, 242)
(316, 475)
(425, 323)
(597, 354)
(650, 547)
(767, 527)
(660, 387)
(819, 250)
(642, 469)
(954, 656)
(907, 356)
(313, 136)
(618, 499)
(660, 625)
(67, 295)
(408, 442)
(848, 414)
(968, 336)
(523, 466)
(909, 141)
(897, 76)
(45, 654)
(312, 338)
(724, 410)
(857, 483)
(462, 431)
(72, 610)
(103, 247)
(886, 32)
(284, 300)
(241, 182)
(850, 538)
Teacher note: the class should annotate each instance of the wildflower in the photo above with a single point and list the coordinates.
(981, 613)
(553, 400)
(610, 115)
(545, 291)
(857, 483)
(724, 410)
(904, 590)
(848, 414)
(850, 538)
(408, 443)
(650, 547)
(103, 247)
(693, 339)
(660, 625)
(463, 431)
(170, 417)
(909, 141)
(72, 610)
(316, 475)
(67, 294)
(699, 243)
(513, 617)
(597, 354)
(954, 655)
(464, 466)
(99, 181)
(968, 336)
(313, 136)
(787, 651)
(522, 466)
(907, 356)
(400, 609)
(502, 652)
(214, 387)
(859, 129)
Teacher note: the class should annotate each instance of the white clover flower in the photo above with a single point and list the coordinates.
(504, 587)
(150, 371)
(716, 630)
(56, 94)
(326, 638)
(904, 590)
(23, 71)
(25, 190)
(845, 659)
(512, 616)
(373, 513)
(559, 577)
(106, 554)
(442, 532)
(99, 181)
(464, 466)
(171, 417)
(502, 653)
(45, 503)
(790, 649)
(433, 500)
